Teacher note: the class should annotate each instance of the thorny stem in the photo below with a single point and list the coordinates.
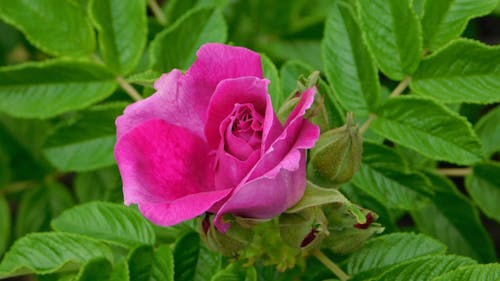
(128, 88)
(330, 265)
(155, 8)
(396, 92)
(455, 172)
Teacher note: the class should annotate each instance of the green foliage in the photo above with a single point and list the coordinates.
(68, 68)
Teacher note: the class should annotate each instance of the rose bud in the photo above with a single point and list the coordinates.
(349, 226)
(305, 229)
(337, 155)
(229, 243)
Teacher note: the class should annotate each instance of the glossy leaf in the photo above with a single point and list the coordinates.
(47, 89)
(271, 73)
(122, 30)
(388, 250)
(140, 262)
(484, 188)
(113, 223)
(445, 20)
(88, 143)
(473, 273)
(428, 128)
(348, 64)
(163, 267)
(50, 252)
(40, 21)
(173, 49)
(450, 217)
(383, 175)
(120, 271)
(98, 269)
(5, 225)
(464, 71)
(425, 269)
(101, 185)
(393, 34)
(236, 272)
(488, 130)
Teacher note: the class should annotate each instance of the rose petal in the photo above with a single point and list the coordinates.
(228, 93)
(161, 162)
(229, 170)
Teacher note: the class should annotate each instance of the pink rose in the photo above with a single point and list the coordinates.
(209, 141)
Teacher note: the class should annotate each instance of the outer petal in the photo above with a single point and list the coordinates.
(228, 93)
(163, 164)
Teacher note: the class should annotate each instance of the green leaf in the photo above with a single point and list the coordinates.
(50, 252)
(98, 269)
(484, 188)
(387, 250)
(113, 223)
(122, 30)
(307, 51)
(4, 225)
(163, 266)
(38, 206)
(383, 176)
(393, 34)
(120, 271)
(86, 144)
(47, 89)
(429, 128)
(146, 78)
(464, 71)
(236, 272)
(444, 20)
(140, 262)
(473, 273)
(101, 185)
(193, 261)
(175, 9)
(176, 46)
(450, 217)
(488, 130)
(271, 73)
(348, 64)
(426, 268)
(57, 27)
(315, 196)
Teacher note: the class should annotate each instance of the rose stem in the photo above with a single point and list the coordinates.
(128, 88)
(155, 8)
(330, 265)
(396, 92)
(455, 172)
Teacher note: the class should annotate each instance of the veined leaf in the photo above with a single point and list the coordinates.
(393, 33)
(484, 187)
(101, 185)
(236, 272)
(382, 175)
(348, 64)
(450, 217)
(428, 128)
(163, 267)
(140, 262)
(444, 20)
(464, 71)
(47, 89)
(120, 271)
(271, 73)
(488, 130)
(425, 268)
(4, 225)
(387, 250)
(172, 48)
(57, 27)
(50, 252)
(88, 143)
(473, 273)
(122, 30)
(113, 223)
(98, 269)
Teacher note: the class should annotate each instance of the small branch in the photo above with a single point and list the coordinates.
(454, 172)
(330, 265)
(128, 88)
(155, 8)
(396, 92)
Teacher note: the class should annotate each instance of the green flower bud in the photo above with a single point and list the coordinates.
(305, 229)
(349, 226)
(337, 155)
(229, 243)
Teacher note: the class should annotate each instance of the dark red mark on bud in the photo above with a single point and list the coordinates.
(369, 220)
(309, 237)
(206, 223)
